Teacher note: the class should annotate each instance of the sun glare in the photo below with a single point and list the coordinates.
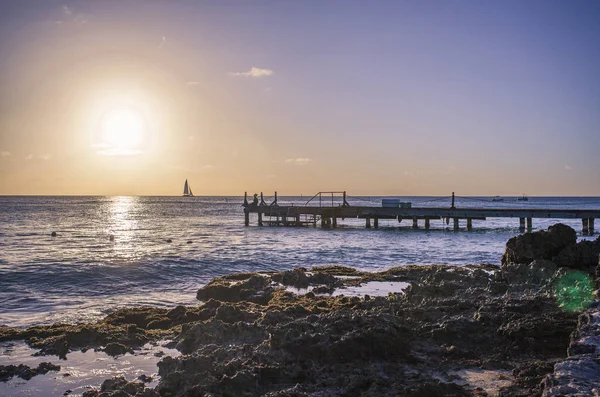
(123, 129)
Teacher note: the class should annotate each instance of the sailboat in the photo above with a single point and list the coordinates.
(187, 190)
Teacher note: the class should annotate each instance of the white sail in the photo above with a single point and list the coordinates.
(191, 194)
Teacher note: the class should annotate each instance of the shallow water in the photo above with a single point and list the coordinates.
(80, 372)
(81, 275)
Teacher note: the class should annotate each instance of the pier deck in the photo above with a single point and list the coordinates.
(328, 216)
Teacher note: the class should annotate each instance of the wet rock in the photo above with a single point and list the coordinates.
(579, 374)
(250, 287)
(145, 378)
(24, 371)
(535, 275)
(116, 349)
(232, 314)
(53, 346)
(323, 289)
(295, 278)
(583, 255)
(539, 245)
(218, 332)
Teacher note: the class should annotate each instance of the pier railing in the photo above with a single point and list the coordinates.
(342, 195)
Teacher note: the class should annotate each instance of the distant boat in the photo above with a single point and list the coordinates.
(187, 190)
(523, 198)
(497, 198)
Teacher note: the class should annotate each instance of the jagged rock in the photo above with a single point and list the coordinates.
(24, 371)
(521, 276)
(583, 255)
(116, 349)
(294, 278)
(539, 245)
(234, 288)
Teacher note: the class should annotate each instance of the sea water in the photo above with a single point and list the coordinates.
(81, 275)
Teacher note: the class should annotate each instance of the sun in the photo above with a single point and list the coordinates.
(122, 131)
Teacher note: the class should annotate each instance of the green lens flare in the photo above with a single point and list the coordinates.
(574, 291)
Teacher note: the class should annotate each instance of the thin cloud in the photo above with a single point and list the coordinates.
(162, 42)
(4, 154)
(45, 156)
(568, 167)
(299, 161)
(71, 15)
(254, 72)
(67, 10)
(29, 157)
(193, 83)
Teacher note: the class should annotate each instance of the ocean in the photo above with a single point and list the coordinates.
(81, 275)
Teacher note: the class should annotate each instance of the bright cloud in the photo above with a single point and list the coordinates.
(254, 72)
(299, 161)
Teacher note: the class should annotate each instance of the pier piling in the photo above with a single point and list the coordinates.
(260, 222)
(246, 217)
(426, 223)
(455, 223)
(585, 226)
(368, 222)
(376, 223)
(591, 226)
(469, 224)
(415, 223)
(522, 225)
(529, 224)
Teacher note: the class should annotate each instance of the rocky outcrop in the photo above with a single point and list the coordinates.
(579, 374)
(252, 337)
(539, 245)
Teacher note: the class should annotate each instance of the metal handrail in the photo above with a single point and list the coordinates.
(320, 195)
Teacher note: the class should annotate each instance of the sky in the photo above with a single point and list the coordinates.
(132, 97)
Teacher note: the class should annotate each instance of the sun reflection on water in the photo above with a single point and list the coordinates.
(122, 225)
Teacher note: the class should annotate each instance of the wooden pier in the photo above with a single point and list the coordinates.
(328, 215)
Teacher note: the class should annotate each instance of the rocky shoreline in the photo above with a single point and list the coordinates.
(529, 327)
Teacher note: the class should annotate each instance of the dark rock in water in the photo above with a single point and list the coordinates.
(53, 234)
(539, 245)
(120, 387)
(169, 240)
(189, 242)
(583, 255)
(111, 238)
(24, 371)
(116, 349)
(145, 378)
(54, 346)
(323, 289)
(295, 278)
(237, 287)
